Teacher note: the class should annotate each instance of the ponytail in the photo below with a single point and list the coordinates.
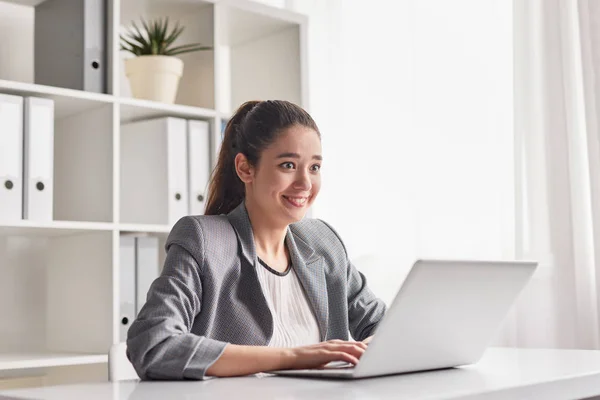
(254, 126)
(226, 191)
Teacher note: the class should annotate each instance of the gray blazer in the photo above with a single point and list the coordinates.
(209, 295)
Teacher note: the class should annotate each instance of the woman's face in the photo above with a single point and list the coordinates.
(287, 179)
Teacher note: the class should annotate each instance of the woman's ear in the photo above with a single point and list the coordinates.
(243, 168)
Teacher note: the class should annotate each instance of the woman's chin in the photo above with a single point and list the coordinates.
(295, 214)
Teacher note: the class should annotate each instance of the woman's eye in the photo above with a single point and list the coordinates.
(316, 168)
(288, 165)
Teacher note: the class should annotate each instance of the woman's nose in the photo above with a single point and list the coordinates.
(303, 181)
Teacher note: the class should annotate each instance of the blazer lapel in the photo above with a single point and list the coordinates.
(308, 266)
(253, 292)
(241, 223)
(310, 270)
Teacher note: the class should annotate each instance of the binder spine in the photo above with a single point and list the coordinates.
(11, 157)
(95, 54)
(198, 164)
(38, 166)
(126, 285)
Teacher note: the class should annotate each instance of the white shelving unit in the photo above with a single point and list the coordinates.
(52, 228)
(38, 360)
(59, 280)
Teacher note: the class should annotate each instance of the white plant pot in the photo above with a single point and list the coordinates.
(154, 77)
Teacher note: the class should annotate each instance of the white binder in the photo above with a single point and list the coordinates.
(126, 285)
(199, 164)
(38, 167)
(146, 267)
(154, 179)
(11, 161)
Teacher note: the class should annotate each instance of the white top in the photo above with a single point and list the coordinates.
(501, 374)
(294, 323)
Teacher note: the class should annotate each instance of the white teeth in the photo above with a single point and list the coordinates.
(297, 200)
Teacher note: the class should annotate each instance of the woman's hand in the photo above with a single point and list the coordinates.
(368, 340)
(238, 360)
(318, 355)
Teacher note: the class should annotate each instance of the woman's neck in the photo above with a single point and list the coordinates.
(269, 238)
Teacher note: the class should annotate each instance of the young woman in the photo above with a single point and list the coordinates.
(252, 285)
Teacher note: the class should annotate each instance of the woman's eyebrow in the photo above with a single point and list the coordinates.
(296, 155)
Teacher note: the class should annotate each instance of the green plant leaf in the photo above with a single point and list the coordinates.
(186, 49)
(128, 42)
(156, 37)
(163, 35)
(146, 28)
(141, 38)
(129, 45)
(131, 40)
(174, 35)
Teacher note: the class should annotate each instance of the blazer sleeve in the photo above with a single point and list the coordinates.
(365, 310)
(159, 342)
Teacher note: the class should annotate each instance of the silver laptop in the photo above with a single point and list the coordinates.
(445, 315)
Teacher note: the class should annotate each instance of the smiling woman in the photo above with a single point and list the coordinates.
(278, 134)
(252, 285)
(287, 177)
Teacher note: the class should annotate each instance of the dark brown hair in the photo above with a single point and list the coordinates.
(254, 126)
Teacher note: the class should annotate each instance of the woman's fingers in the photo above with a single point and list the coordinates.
(337, 341)
(343, 356)
(316, 356)
(354, 349)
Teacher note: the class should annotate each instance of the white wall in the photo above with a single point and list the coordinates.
(16, 48)
(414, 101)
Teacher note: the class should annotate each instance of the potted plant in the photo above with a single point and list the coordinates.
(154, 72)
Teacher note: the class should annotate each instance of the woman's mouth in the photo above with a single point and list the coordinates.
(296, 201)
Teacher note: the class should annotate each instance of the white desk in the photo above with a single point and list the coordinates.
(501, 374)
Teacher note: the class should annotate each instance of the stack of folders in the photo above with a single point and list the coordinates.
(139, 267)
(26, 158)
(165, 168)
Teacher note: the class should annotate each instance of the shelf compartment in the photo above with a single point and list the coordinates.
(83, 166)
(155, 184)
(79, 162)
(196, 86)
(49, 287)
(258, 54)
(19, 23)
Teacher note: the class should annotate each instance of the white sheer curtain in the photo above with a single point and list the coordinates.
(414, 99)
(466, 128)
(557, 151)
